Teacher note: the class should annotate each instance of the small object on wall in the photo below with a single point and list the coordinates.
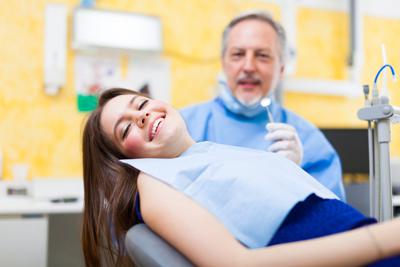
(55, 42)
(93, 74)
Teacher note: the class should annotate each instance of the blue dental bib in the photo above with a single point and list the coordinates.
(249, 191)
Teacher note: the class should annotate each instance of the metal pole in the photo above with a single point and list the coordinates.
(377, 172)
(383, 129)
(371, 171)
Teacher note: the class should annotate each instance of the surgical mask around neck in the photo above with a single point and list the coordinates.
(234, 105)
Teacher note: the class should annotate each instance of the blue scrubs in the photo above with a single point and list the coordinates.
(212, 121)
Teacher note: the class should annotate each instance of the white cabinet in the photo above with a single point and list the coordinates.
(42, 229)
(23, 241)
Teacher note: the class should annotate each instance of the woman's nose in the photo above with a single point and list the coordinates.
(142, 118)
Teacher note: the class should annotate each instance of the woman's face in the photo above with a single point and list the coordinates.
(143, 127)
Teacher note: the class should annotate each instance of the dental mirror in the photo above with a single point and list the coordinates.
(265, 102)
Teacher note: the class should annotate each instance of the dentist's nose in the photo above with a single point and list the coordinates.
(249, 63)
(141, 119)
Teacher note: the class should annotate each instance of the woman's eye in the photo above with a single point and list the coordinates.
(143, 104)
(126, 130)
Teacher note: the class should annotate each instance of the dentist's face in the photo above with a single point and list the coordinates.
(142, 127)
(251, 61)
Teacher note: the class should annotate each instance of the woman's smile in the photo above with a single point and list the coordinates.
(155, 126)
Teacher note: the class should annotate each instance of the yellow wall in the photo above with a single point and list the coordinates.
(44, 131)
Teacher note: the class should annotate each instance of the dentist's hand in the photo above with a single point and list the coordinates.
(285, 141)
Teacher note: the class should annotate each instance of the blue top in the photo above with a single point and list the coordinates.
(249, 191)
(212, 121)
(316, 217)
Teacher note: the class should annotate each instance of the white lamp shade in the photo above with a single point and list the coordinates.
(94, 29)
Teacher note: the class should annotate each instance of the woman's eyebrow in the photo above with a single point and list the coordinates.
(122, 117)
(132, 100)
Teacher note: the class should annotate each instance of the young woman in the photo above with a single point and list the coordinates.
(209, 200)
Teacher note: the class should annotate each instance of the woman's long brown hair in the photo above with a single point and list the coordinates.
(109, 188)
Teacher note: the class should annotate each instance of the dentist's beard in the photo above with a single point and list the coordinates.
(249, 102)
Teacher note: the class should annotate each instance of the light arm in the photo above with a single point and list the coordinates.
(187, 226)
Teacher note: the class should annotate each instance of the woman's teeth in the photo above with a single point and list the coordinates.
(155, 126)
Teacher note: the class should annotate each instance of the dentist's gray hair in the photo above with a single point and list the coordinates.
(262, 16)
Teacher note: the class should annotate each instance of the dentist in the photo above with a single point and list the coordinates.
(253, 62)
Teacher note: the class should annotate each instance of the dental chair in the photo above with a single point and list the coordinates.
(146, 249)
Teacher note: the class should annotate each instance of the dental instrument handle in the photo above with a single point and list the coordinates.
(366, 91)
(270, 118)
(265, 102)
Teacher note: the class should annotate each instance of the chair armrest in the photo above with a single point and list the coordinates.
(146, 249)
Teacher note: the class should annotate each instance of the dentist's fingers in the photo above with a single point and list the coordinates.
(280, 134)
(282, 145)
(285, 141)
(273, 126)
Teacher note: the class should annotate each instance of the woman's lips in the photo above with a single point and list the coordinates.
(155, 127)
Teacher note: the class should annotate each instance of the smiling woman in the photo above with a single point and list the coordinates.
(143, 127)
(141, 165)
